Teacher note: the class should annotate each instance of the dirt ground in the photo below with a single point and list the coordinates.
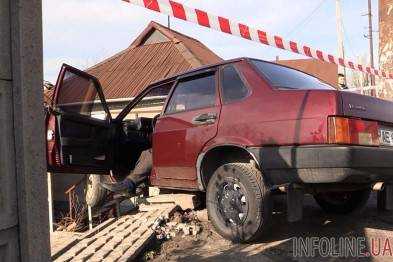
(278, 245)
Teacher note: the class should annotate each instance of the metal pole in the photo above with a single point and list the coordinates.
(340, 37)
(370, 37)
(90, 217)
(50, 201)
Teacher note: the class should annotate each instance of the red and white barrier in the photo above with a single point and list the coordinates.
(228, 26)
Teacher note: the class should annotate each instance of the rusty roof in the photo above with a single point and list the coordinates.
(129, 72)
(48, 96)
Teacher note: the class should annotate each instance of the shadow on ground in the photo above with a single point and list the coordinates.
(278, 246)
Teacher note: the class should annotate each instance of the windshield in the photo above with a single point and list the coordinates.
(287, 78)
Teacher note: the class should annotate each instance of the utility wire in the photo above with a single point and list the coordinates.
(306, 19)
(351, 49)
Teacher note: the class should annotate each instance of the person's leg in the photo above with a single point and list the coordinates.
(139, 175)
(142, 168)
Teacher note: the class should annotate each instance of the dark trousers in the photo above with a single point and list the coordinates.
(142, 168)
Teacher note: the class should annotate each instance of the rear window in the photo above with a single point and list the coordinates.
(286, 78)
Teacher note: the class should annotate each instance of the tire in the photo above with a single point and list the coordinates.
(343, 202)
(245, 215)
(94, 193)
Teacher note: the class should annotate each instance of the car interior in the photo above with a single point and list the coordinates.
(133, 134)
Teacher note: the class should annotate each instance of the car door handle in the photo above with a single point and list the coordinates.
(205, 119)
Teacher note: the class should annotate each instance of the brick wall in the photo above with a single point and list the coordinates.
(386, 34)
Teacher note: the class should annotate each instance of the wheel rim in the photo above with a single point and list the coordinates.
(232, 202)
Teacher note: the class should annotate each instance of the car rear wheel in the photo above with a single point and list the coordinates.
(238, 202)
(343, 202)
(94, 193)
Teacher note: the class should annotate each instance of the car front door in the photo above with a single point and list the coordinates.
(189, 121)
(79, 125)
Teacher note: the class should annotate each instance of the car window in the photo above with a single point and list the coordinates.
(79, 95)
(152, 103)
(193, 93)
(287, 78)
(233, 86)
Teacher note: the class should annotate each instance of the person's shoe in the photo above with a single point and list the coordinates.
(124, 187)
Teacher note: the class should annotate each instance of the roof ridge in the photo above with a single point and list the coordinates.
(175, 31)
(132, 69)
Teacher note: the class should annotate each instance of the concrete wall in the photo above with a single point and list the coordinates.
(24, 233)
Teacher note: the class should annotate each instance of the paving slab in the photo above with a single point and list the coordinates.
(121, 239)
(185, 201)
(61, 240)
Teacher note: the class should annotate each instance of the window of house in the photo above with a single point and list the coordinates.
(194, 93)
(233, 86)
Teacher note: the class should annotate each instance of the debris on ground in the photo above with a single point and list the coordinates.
(74, 220)
(114, 205)
(181, 224)
(201, 215)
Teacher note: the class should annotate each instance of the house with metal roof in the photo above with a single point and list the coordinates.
(160, 52)
(157, 53)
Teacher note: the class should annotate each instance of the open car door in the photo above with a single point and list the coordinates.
(79, 132)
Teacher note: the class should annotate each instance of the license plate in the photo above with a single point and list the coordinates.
(386, 136)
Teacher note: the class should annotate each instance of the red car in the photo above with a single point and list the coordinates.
(241, 131)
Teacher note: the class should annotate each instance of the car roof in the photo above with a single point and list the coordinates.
(197, 70)
(206, 68)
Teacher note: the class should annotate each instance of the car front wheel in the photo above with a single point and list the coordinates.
(94, 193)
(238, 202)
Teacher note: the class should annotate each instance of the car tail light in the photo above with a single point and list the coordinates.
(342, 130)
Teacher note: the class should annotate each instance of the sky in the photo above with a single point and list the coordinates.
(84, 32)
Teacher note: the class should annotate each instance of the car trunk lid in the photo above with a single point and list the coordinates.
(371, 108)
(366, 107)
